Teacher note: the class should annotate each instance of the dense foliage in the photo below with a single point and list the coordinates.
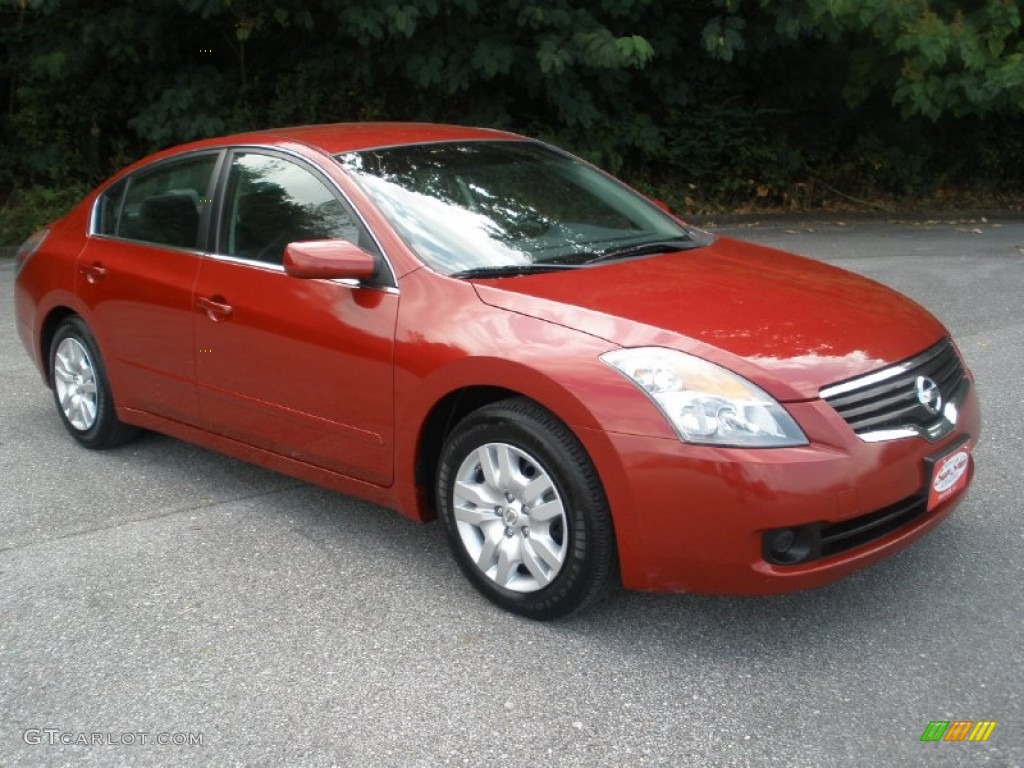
(721, 102)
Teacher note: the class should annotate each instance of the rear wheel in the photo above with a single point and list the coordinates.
(525, 513)
(81, 392)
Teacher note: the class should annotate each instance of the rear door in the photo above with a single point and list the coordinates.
(299, 367)
(137, 273)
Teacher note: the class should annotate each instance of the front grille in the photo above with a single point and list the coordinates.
(886, 405)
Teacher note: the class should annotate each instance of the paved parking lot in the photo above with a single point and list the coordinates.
(163, 592)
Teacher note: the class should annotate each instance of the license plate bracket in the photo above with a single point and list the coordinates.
(948, 472)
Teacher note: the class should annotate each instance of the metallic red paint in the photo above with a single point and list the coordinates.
(143, 319)
(300, 367)
(328, 260)
(334, 383)
(791, 324)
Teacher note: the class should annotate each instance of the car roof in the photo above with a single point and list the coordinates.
(349, 137)
(329, 138)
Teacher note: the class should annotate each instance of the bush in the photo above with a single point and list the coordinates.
(26, 211)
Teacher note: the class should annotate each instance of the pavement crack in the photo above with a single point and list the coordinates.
(146, 518)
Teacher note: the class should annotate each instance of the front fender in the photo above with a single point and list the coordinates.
(477, 345)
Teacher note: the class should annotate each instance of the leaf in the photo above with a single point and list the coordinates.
(635, 50)
(551, 57)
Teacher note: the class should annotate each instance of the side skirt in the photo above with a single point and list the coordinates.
(384, 496)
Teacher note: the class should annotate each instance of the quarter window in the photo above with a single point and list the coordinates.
(108, 209)
(272, 201)
(164, 205)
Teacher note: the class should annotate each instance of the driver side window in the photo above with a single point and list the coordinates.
(272, 201)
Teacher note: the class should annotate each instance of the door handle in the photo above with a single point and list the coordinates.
(215, 310)
(92, 273)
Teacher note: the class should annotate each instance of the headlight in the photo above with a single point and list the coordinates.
(706, 403)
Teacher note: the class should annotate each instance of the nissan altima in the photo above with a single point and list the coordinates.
(470, 325)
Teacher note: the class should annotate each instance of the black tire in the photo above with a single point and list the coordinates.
(540, 443)
(96, 426)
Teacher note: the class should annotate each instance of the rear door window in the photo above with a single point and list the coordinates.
(164, 205)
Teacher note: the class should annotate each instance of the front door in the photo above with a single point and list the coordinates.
(303, 368)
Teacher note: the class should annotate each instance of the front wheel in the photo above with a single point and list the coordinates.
(80, 388)
(524, 510)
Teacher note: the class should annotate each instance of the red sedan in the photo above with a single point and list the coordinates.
(471, 325)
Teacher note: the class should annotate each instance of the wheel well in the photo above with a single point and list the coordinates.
(50, 324)
(446, 413)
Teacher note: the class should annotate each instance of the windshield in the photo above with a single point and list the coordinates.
(468, 206)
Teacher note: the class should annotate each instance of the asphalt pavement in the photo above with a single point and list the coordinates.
(164, 593)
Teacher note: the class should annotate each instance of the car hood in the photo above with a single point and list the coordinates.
(790, 324)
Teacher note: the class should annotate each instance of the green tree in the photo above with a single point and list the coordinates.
(721, 100)
(931, 57)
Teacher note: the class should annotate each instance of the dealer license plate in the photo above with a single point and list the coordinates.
(949, 474)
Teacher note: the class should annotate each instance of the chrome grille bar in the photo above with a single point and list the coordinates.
(886, 404)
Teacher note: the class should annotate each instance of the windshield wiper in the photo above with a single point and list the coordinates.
(640, 249)
(644, 249)
(510, 270)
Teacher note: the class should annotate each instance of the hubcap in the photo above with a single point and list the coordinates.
(510, 517)
(75, 380)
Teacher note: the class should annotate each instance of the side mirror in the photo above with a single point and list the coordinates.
(328, 260)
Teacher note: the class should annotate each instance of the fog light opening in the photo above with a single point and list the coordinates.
(788, 546)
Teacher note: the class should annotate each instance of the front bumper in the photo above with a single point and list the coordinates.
(693, 519)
